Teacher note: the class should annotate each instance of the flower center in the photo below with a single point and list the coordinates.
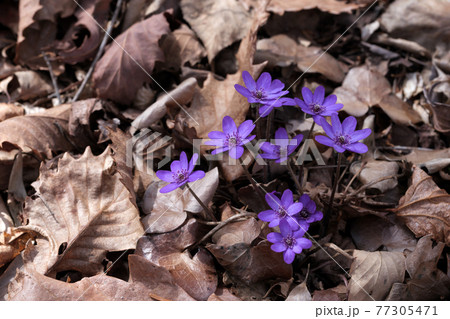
(258, 94)
(289, 241)
(281, 212)
(342, 140)
(317, 108)
(180, 175)
(233, 140)
(304, 213)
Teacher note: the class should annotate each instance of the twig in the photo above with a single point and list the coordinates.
(52, 76)
(300, 175)
(291, 172)
(205, 208)
(219, 226)
(100, 50)
(353, 178)
(335, 185)
(252, 181)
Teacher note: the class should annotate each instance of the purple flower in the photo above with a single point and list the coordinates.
(264, 91)
(231, 139)
(282, 148)
(282, 209)
(180, 173)
(316, 104)
(288, 242)
(343, 136)
(309, 213)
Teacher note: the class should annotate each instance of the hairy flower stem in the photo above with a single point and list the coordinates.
(300, 175)
(294, 178)
(335, 184)
(205, 208)
(267, 137)
(252, 181)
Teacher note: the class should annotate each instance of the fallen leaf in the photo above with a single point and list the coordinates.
(5, 218)
(371, 233)
(182, 46)
(83, 207)
(326, 295)
(398, 111)
(374, 273)
(299, 293)
(281, 50)
(118, 74)
(223, 294)
(25, 85)
(219, 98)
(10, 110)
(331, 6)
(424, 208)
(12, 242)
(217, 23)
(363, 87)
(374, 170)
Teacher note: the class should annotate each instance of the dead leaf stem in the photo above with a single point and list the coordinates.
(52, 76)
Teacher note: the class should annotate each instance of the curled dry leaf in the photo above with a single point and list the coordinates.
(331, 6)
(12, 242)
(219, 98)
(167, 211)
(281, 50)
(363, 87)
(371, 233)
(374, 170)
(10, 110)
(439, 99)
(5, 219)
(299, 293)
(399, 111)
(83, 209)
(31, 285)
(217, 23)
(182, 46)
(118, 75)
(25, 85)
(374, 273)
(425, 208)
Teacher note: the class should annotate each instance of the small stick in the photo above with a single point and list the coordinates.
(100, 50)
(300, 175)
(291, 172)
(205, 208)
(335, 185)
(252, 181)
(267, 137)
(353, 178)
(52, 76)
(219, 226)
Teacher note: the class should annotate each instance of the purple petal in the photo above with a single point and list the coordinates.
(359, 148)
(360, 135)
(228, 125)
(293, 223)
(294, 209)
(267, 215)
(175, 166)
(242, 90)
(332, 109)
(236, 152)
(338, 148)
(348, 125)
(330, 100)
(310, 206)
(325, 140)
(170, 187)
(288, 256)
(184, 161)
(220, 150)
(278, 247)
(276, 86)
(287, 198)
(336, 125)
(275, 222)
(248, 139)
(281, 134)
(263, 81)
(297, 248)
(271, 156)
(305, 199)
(274, 237)
(285, 228)
(287, 101)
(273, 201)
(307, 95)
(216, 135)
(319, 95)
(196, 176)
(318, 216)
(248, 80)
(302, 105)
(305, 243)
(246, 128)
(269, 148)
(327, 127)
(297, 139)
(166, 176)
(265, 110)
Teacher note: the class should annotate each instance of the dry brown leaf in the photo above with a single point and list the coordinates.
(281, 50)
(10, 110)
(33, 286)
(182, 46)
(363, 87)
(24, 85)
(12, 242)
(88, 17)
(299, 293)
(217, 23)
(219, 98)
(439, 99)
(425, 208)
(374, 170)
(223, 294)
(326, 295)
(374, 273)
(5, 218)
(82, 206)
(398, 111)
(371, 232)
(331, 6)
(117, 76)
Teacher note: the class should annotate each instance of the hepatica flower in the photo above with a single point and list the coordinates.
(316, 104)
(309, 212)
(282, 148)
(289, 242)
(264, 91)
(283, 209)
(232, 138)
(180, 173)
(343, 136)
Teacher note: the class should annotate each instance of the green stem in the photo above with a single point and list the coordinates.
(205, 208)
